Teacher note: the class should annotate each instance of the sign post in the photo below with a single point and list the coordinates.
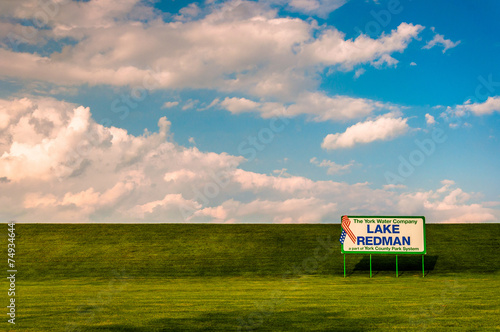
(344, 265)
(397, 273)
(370, 265)
(423, 271)
(383, 235)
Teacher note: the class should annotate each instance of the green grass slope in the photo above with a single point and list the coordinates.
(308, 303)
(55, 251)
(153, 278)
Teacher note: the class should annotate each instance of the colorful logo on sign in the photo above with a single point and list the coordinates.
(346, 230)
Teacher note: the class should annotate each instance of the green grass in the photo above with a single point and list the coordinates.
(248, 277)
(51, 251)
(318, 303)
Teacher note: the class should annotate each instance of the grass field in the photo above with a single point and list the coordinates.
(167, 277)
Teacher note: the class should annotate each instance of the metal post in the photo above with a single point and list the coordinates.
(397, 273)
(423, 270)
(370, 265)
(344, 265)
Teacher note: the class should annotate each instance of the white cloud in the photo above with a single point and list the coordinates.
(332, 49)
(293, 210)
(57, 164)
(429, 119)
(167, 206)
(453, 114)
(38, 139)
(71, 169)
(316, 106)
(71, 14)
(257, 182)
(320, 8)
(190, 104)
(333, 167)
(320, 107)
(233, 39)
(492, 104)
(446, 185)
(413, 63)
(385, 59)
(90, 168)
(237, 46)
(359, 72)
(382, 128)
(169, 104)
(281, 172)
(87, 201)
(213, 103)
(180, 175)
(238, 105)
(188, 12)
(440, 40)
(394, 186)
(447, 205)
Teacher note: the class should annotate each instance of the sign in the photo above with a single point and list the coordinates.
(383, 235)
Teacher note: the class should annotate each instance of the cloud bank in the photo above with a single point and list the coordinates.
(237, 47)
(58, 165)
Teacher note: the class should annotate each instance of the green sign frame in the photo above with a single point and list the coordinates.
(388, 252)
(423, 252)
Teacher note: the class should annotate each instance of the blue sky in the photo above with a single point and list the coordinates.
(308, 109)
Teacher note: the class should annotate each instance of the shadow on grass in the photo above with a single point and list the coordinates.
(308, 320)
(112, 328)
(406, 263)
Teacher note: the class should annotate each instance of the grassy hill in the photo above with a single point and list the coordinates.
(153, 278)
(49, 251)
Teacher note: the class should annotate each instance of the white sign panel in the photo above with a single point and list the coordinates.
(383, 235)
